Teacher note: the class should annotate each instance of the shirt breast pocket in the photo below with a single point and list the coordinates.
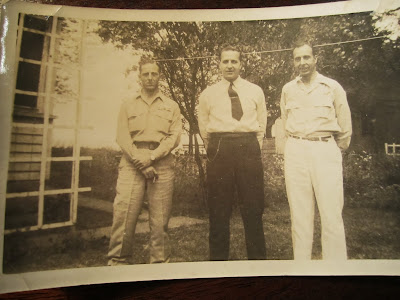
(162, 119)
(294, 111)
(322, 108)
(136, 121)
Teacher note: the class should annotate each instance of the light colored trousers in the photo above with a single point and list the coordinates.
(313, 171)
(131, 189)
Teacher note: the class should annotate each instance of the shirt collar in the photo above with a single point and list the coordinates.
(158, 95)
(236, 82)
(319, 78)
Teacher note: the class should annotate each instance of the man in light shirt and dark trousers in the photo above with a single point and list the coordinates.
(317, 121)
(232, 120)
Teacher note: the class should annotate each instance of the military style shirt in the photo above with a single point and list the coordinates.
(155, 120)
(318, 110)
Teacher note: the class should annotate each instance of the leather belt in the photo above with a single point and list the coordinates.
(313, 138)
(147, 145)
(232, 134)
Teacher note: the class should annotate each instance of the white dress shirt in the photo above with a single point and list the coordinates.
(215, 109)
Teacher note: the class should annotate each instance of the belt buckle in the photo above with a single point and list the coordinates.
(295, 137)
(325, 138)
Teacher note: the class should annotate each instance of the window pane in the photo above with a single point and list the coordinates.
(32, 45)
(28, 77)
(25, 100)
(41, 23)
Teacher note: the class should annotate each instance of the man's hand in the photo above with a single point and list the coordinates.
(150, 173)
(142, 161)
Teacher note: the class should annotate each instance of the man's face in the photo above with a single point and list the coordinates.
(149, 76)
(230, 65)
(304, 61)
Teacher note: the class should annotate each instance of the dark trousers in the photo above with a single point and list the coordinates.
(235, 160)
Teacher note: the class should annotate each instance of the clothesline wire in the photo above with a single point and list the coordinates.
(269, 51)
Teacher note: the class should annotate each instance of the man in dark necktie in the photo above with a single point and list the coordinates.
(232, 120)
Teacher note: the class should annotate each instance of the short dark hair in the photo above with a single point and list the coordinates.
(145, 60)
(301, 43)
(231, 48)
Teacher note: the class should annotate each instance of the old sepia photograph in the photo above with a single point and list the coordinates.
(234, 143)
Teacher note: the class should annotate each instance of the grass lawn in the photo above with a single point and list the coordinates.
(371, 234)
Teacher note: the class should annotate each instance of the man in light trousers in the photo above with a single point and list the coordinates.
(317, 121)
(149, 128)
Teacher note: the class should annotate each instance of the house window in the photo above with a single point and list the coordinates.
(42, 189)
(31, 47)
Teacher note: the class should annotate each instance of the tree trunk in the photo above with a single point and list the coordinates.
(190, 142)
(202, 175)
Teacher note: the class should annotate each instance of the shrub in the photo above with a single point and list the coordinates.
(188, 200)
(371, 180)
(274, 178)
(101, 173)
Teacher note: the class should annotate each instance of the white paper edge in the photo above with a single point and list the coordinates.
(311, 10)
(95, 275)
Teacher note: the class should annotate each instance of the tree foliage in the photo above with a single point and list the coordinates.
(188, 52)
(359, 66)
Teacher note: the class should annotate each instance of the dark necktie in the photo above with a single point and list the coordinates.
(237, 111)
